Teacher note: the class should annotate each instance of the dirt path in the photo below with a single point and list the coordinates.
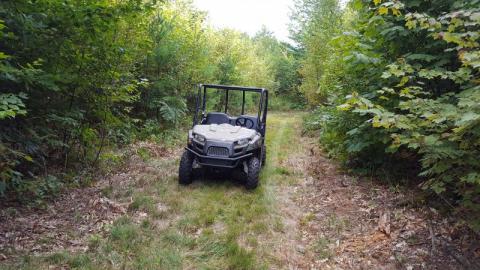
(337, 221)
(306, 214)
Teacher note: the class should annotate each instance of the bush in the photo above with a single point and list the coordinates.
(404, 91)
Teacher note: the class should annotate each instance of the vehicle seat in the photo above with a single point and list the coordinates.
(217, 118)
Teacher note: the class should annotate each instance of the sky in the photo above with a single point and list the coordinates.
(249, 15)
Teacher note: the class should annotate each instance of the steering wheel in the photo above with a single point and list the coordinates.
(244, 122)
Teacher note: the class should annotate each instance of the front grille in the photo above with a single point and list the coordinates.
(217, 151)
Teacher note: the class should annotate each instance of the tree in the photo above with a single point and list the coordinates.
(402, 92)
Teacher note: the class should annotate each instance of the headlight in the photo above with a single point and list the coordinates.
(254, 143)
(243, 141)
(199, 138)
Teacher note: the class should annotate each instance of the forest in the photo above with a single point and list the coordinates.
(396, 85)
(389, 89)
(80, 77)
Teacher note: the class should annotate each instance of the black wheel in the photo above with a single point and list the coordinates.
(264, 154)
(185, 169)
(253, 173)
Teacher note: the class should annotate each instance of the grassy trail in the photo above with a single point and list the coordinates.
(217, 224)
(306, 214)
(211, 224)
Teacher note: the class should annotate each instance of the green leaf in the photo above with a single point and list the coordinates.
(438, 187)
(468, 117)
(422, 57)
(382, 10)
(3, 56)
(471, 178)
(431, 140)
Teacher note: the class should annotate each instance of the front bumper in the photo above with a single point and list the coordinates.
(215, 161)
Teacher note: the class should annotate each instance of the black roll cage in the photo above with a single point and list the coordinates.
(261, 107)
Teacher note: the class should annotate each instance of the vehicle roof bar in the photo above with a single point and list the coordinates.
(243, 103)
(230, 87)
(226, 101)
(204, 101)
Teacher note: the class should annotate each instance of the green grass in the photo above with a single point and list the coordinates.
(322, 248)
(211, 224)
(78, 261)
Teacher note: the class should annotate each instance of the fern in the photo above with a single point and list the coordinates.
(172, 109)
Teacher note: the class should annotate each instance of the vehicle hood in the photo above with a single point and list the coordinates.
(223, 132)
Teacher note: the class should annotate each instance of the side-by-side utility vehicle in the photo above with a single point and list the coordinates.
(220, 140)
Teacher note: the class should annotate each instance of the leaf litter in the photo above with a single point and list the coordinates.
(73, 217)
(351, 223)
(330, 220)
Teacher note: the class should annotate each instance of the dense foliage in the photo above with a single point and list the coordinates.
(395, 84)
(79, 77)
(399, 87)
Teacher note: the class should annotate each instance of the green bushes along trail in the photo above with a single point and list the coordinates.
(80, 77)
(396, 86)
